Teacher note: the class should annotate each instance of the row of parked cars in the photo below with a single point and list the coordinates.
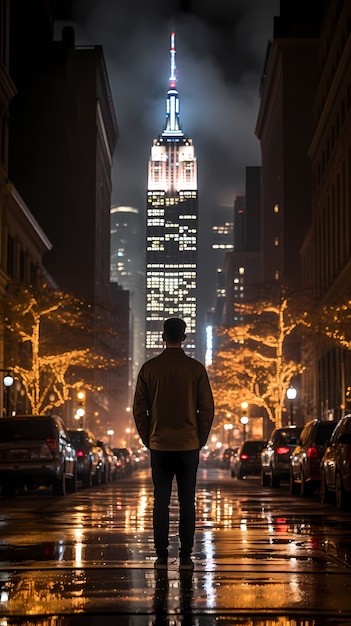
(38, 450)
(315, 456)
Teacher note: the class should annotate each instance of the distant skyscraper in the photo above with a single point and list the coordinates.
(222, 242)
(171, 227)
(128, 270)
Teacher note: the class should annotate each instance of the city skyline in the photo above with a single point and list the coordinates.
(221, 50)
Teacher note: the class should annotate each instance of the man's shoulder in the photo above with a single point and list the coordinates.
(172, 355)
(153, 361)
(194, 362)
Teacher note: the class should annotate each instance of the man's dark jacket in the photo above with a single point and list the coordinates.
(173, 403)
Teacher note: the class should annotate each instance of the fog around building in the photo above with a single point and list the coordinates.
(221, 48)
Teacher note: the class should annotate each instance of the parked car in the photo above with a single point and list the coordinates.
(107, 462)
(141, 458)
(275, 457)
(120, 463)
(305, 459)
(88, 456)
(113, 463)
(226, 456)
(248, 459)
(127, 459)
(36, 450)
(336, 465)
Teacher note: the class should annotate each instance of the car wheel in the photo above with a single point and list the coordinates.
(105, 476)
(340, 496)
(292, 485)
(273, 478)
(59, 485)
(324, 494)
(87, 479)
(264, 479)
(71, 482)
(97, 477)
(305, 488)
(239, 474)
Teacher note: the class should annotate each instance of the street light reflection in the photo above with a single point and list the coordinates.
(135, 516)
(78, 548)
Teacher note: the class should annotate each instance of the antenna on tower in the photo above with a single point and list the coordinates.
(173, 78)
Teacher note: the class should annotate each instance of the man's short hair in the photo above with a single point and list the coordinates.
(174, 329)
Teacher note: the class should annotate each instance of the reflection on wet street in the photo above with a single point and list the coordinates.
(261, 557)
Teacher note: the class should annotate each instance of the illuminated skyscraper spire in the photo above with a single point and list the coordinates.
(172, 105)
(173, 78)
(171, 228)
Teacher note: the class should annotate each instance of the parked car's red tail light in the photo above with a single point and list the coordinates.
(52, 444)
(244, 456)
(283, 450)
(312, 453)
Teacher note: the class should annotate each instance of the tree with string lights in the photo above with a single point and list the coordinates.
(254, 361)
(50, 334)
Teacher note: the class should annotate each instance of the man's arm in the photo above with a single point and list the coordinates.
(205, 408)
(141, 409)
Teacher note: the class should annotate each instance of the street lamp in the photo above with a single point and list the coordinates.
(80, 410)
(228, 428)
(110, 433)
(291, 394)
(244, 418)
(8, 382)
(128, 433)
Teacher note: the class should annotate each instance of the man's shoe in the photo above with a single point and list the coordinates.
(161, 563)
(186, 563)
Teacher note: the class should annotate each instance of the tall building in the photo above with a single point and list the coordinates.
(222, 242)
(242, 267)
(284, 128)
(61, 144)
(171, 227)
(326, 250)
(128, 270)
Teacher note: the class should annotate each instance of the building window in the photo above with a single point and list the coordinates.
(32, 274)
(22, 266)
(10, 255)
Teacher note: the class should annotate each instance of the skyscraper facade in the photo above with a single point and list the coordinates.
(171, 227)
(128, 271)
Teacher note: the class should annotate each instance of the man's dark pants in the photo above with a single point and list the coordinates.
(165, 466)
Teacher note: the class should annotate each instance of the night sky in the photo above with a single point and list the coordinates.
(221, 47)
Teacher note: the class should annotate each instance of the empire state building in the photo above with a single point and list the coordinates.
(171, 227)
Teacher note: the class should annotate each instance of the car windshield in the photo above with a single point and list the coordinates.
(77, 438)
(253, 446)
(324, 432)
(25, 430)
(284, 436)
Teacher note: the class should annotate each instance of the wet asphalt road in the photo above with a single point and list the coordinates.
(262, 557)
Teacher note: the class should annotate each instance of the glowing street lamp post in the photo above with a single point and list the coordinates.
(8, 382)
(291, 394)
(80, 412)
(244, 418)
(229, 428)
(110, 433)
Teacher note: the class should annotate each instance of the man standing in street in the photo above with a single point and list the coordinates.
(173, 412)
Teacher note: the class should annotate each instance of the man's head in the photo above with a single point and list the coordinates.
(174, 331)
